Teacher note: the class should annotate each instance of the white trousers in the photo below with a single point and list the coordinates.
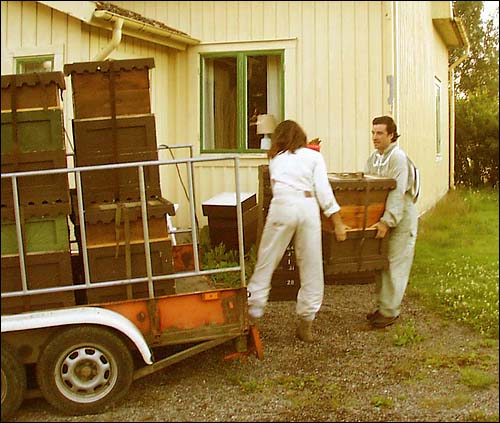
(391, 286)
(290, 214)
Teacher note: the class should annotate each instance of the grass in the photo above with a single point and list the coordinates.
(455, 270)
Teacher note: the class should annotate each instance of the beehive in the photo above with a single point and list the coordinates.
(110, 88)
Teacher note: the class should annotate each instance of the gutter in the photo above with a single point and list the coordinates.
(113, 44)
(451, 78)
(138, 29)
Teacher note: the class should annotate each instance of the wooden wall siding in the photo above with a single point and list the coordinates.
(335, 96)
(335, 72)
(419, 62)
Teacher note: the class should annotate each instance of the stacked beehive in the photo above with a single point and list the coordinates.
(33, 139)
(113, 124)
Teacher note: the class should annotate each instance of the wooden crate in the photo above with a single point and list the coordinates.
(110, 88)
(223, 223)
(41, 234)
(48, 189)
(43, 270)
(285, 282)
(103, 220)
(183, 257)
(360, 252)
(32, 131)
(285, 285)
(32, 90)
(362, 200)
(121, 140)
(106, 265)
(361, 197)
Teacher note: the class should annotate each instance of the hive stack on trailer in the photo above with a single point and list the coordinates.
(113, 124)
(33, 139)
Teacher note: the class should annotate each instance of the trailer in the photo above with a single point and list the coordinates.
(86, 339)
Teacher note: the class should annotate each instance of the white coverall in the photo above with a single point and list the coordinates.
(401, 215)
(300, 186)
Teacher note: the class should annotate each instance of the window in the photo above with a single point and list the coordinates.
(437, 97)
(236, 87)
(35, 64)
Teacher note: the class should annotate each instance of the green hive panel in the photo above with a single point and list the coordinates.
(37, 130)
(41, 234)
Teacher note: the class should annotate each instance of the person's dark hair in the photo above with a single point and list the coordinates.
(390, 125)
(288, 135)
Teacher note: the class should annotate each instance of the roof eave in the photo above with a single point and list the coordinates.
(142, 30)
(451, 31)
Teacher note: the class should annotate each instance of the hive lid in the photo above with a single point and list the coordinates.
(33, 79)
(360, 181)
(107, 65)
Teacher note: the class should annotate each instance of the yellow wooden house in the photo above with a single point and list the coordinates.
(330, 65)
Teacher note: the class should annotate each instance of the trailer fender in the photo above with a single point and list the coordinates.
(78, 315)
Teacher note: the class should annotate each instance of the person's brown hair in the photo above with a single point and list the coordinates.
(288, 136)
(390, 125)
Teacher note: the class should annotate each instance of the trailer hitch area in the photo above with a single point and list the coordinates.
(254, 347)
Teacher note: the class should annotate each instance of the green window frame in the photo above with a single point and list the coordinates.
(30, 64)
(235, 87)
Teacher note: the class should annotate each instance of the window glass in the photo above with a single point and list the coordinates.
(237, 87)
(34, 64)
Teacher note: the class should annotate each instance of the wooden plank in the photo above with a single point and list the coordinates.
(29, 28)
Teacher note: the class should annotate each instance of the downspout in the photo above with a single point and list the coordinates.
(113, 44)
(451, 76)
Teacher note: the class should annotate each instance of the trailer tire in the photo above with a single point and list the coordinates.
(13, 382)
(84, 369)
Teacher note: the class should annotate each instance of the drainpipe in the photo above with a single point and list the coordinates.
(113, 44)
(451, 76)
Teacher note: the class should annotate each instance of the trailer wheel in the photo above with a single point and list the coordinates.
(84, 369)
(13, 382)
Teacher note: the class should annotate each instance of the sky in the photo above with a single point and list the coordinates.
(489, 8)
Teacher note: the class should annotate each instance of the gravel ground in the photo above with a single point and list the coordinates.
(351, 373)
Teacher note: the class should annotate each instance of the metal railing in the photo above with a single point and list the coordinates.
(149, 278)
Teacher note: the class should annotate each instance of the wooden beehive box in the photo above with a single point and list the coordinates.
(223, 223)
(107, 222)
(361, 252)
(34, 140)
(361, 197)
(121, 140)
(362, 200)
(110, 87)
(40, 234)
(32, 131)
(32, 91)
(40, 190)
(105, 264)
(43, 270)
(285, 282)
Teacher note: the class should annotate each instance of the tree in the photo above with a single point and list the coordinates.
(476, 114)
